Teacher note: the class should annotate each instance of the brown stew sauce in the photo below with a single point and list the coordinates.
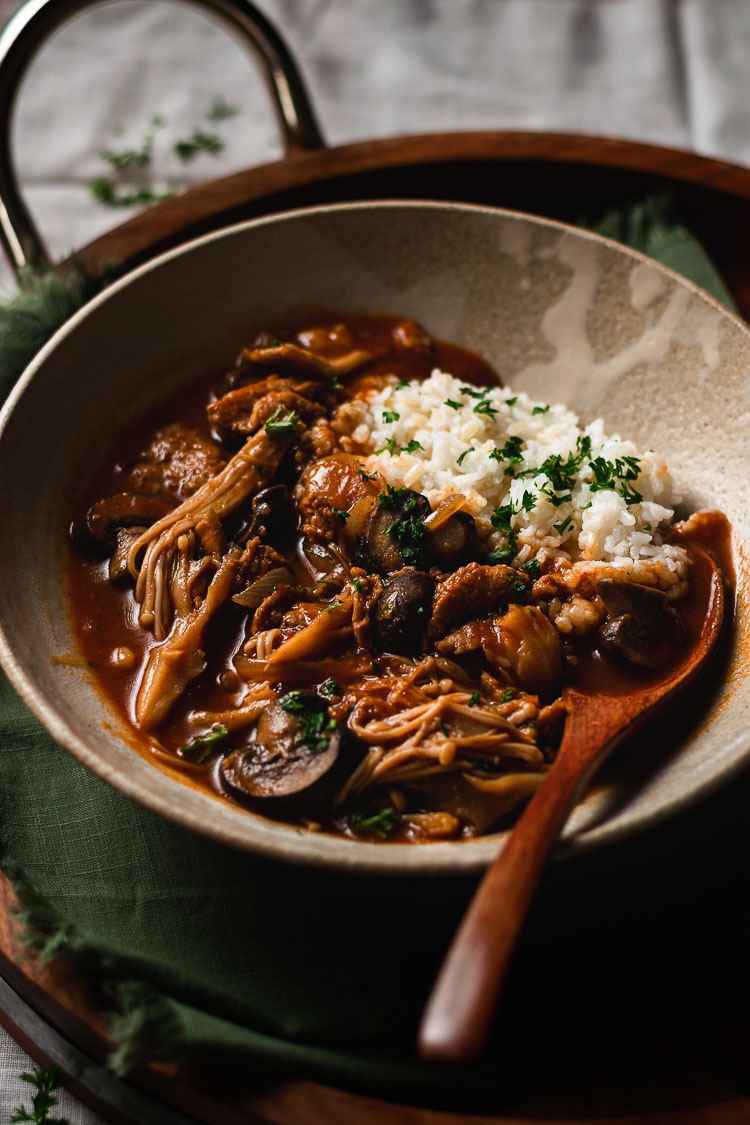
(105, 612)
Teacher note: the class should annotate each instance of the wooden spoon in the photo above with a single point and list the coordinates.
(460, 1009)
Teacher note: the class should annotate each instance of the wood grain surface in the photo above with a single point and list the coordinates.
(555, 175)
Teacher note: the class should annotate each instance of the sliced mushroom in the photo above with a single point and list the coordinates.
(99, 526)
(298, 761)
(395, 535)
(453, 543)
(274, 515)
(641, 627)
(401, 612)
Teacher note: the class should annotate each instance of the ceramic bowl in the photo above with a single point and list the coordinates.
(562, 314)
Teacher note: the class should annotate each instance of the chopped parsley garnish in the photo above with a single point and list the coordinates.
(283, 425)
(410, 534)
(312, 719)
(200, 749)
(541, 409)
(501, 520)
(343, 516)
(331, 687)
(392, 497)
(46, 1081)
(358, 584)
(510, 453)
(379, 824)
(460, 460)
(507, 695)
(199, 141)
(485, 407)
(554, 499)
(511, 401)
(607, 473)
(563, 525)
(366, 476)
(412, 445)
(390, 447)
(403, 383)
(473, 393)
(453, 405)
(475, 699)
(533, 568)
(390, 416)
(629, 494)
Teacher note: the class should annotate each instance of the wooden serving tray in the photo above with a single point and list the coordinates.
(58, 1017)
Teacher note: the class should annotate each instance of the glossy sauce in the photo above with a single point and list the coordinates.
(106, 613)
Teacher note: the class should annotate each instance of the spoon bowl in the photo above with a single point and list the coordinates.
(462, 1004)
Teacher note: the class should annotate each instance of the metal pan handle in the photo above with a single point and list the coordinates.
(37, 19)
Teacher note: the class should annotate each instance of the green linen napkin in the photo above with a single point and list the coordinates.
(225, 956)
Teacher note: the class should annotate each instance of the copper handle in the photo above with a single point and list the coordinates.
(37, 19)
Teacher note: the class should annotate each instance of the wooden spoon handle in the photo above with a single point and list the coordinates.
(460, 1009)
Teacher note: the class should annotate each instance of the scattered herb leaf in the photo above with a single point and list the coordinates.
(312, 718)
(200, 749)
(199, 141)
(45, 1083)
(283, 425)
(379, 824)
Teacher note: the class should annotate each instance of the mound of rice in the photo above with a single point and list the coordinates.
(539, 483)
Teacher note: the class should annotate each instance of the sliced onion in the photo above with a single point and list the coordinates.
(259, 590)
(444, 511)
(358, 517)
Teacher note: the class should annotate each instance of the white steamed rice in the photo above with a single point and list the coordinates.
(458, 430)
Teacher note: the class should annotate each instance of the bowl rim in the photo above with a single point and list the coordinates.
(288, 843)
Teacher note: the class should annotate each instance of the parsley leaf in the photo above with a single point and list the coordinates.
(200, 749)
(453, 405)
(540, 409)
(331, 687)
(391, 497)
(412, 445)
(410, 534)
(312, 718)
(283, 425)
(475, 699)
(403, 383)
(533, 568)
(45, 1082)
(199, 141)
(485, 407)
(390, 416)
(460, 460)
(474, 393)
(379, 824)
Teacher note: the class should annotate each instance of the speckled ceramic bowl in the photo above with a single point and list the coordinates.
(562, 314)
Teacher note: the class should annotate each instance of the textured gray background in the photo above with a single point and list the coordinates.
(667, 71)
